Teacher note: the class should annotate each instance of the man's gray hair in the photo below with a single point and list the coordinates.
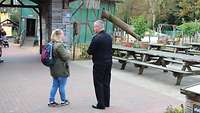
(100, 23)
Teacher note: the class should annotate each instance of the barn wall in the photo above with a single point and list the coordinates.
(57, 17)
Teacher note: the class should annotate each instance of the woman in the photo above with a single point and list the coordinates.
(60, 70)
(1, 42)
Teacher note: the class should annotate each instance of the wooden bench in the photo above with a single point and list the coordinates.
(193, 52)
(123, 61)
(179, 62)
(167, 60)
(167, 50)
(173, 61)
(179, 74)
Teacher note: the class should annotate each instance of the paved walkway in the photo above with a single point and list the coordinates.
(25, 85)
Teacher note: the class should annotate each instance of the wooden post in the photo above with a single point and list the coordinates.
(41, 38)
(118, 22)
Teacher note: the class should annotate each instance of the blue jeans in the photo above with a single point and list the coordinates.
(58, 83)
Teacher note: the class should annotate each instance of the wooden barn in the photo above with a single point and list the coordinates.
(51, 14)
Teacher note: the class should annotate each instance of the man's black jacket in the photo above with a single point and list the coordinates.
(101, 48)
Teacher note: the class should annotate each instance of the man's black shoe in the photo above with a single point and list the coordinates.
(98, 107)
(107, 105)
(1, 61)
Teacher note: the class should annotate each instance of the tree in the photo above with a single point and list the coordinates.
(15, 15)
(188, 9)
(13, 12)
(160, 11)
(152, 10)
(132, 8)
(190, 28)
(166, 12)
(140, 25)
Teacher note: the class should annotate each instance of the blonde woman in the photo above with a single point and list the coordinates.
(60, 70)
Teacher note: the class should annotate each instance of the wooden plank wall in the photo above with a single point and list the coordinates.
(46, 20)
(57, 13)
(52, 17)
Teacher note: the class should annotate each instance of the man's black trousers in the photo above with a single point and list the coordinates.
(102, 78)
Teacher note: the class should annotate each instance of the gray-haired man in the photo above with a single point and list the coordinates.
(101, 51)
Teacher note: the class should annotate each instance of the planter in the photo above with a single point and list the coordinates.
(144, 45)
(16, 40)
(128, 45)
(136, 45)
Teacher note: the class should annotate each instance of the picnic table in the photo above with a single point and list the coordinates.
(179, 48)
(156, 46)
(126, 53)
(195, 46)
(144, 60)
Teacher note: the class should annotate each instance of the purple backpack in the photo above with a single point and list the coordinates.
(47, 57)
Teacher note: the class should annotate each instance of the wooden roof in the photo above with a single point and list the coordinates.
(40, 1)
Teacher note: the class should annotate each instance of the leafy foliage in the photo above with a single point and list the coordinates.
(140, 25)
(190, 28)
(15, 15)
(172, 109)
(13, 12)
(84, 54)
(160, 11)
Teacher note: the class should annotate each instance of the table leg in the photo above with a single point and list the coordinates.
(141, 69)
(124, 62)
(135, 57)
(186, 66)
(123, 65)
(179, 78)
(163, 63)
(158, 62)
(186, 52)
(175, 50)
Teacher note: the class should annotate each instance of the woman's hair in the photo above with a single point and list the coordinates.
(55, 35)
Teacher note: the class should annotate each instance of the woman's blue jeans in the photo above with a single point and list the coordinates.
(58, 83)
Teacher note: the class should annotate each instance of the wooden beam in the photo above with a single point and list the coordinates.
(2, 2)
(121, 24)
(41, 38)
(11, 2)
(81, 4)
(36, 11)
(20, 2)
(19, 6)
(35, 1)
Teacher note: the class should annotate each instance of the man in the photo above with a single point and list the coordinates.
(101, 51)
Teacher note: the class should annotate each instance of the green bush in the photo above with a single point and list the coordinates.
(140, 25)
(190, 28)
(171, 109)
(84, 54)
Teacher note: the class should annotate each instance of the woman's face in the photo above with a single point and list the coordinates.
(62, 35)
